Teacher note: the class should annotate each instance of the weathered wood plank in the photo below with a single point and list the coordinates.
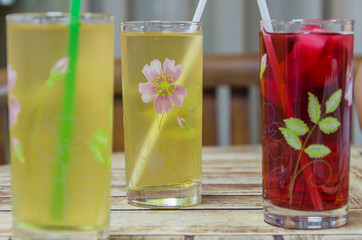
(207, 189)
(282, 237)
(231, 207)
(145, 237)
(210, 222)
(208, 202)
(5, 223)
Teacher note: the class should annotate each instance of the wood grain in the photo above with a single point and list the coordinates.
(231, 207)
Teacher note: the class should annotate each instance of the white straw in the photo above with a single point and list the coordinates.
(197, 16)
(264, 12)
(153, 133)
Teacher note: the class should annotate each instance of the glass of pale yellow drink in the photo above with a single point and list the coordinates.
(162, 94)
(53, 199)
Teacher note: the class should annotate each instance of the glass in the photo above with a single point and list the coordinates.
(60, 186)
(306, 98)
(162, 94)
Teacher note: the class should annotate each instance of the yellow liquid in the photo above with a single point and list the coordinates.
(159, 155)
(32, 52)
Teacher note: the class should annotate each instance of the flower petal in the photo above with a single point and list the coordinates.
(179, 121)
(12, 75)
(148, 92)
(178, 95)
(170, 69)
(349, 94)
(263, 60)
(14, 110)
(153, 70)
(61, 66)
(163, 103)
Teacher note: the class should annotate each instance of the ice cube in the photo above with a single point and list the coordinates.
(309, 46)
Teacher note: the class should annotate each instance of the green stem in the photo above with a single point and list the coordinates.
(38, 117)
(165, 149)
(291, 186)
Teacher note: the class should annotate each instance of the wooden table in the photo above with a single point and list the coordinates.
(231, 208)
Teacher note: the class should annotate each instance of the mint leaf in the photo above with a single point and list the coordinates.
(317, 151)
(334, 101)
(329, 125)
(314, 108)
(100, 137)
(291, 138)
(297, 126)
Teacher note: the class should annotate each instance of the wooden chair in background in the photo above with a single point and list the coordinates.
(240, 72)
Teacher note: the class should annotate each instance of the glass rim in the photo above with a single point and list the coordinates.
(297, 20)
(156, 22)
(161, 27)
(57, 17)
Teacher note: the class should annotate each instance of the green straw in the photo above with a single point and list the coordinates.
(66, 124)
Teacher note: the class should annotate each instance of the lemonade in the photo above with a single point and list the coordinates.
(37, 65)
(162, 90)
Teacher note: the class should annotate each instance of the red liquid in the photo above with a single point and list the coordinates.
(318, 63)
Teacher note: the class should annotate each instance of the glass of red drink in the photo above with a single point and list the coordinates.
(306, 98)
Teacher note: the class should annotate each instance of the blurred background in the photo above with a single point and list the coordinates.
(230, 27)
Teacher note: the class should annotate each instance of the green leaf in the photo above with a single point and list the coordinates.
(329, 125)
(297, 126)
(101, 137)
(262, 70)
(291, 138)
(19, 152)
(317, 151)
(314, 108)
(53, 79)
(334, 101)
(97, 151)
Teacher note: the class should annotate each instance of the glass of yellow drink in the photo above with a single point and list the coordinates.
(53, 199)
(162, 94)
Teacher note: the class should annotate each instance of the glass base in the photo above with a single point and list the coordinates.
(165, 198)
(289, 218)
(23, 233)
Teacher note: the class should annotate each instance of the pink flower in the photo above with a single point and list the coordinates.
(183, 125)
(61, 66)
(181, 121)
(12, 75)
(14, 110)
(161, 85)
(263, 65)
(263, 60)
(349, 86)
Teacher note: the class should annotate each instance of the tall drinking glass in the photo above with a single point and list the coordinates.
(60, 183)
(306, 98)
(162, 94)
